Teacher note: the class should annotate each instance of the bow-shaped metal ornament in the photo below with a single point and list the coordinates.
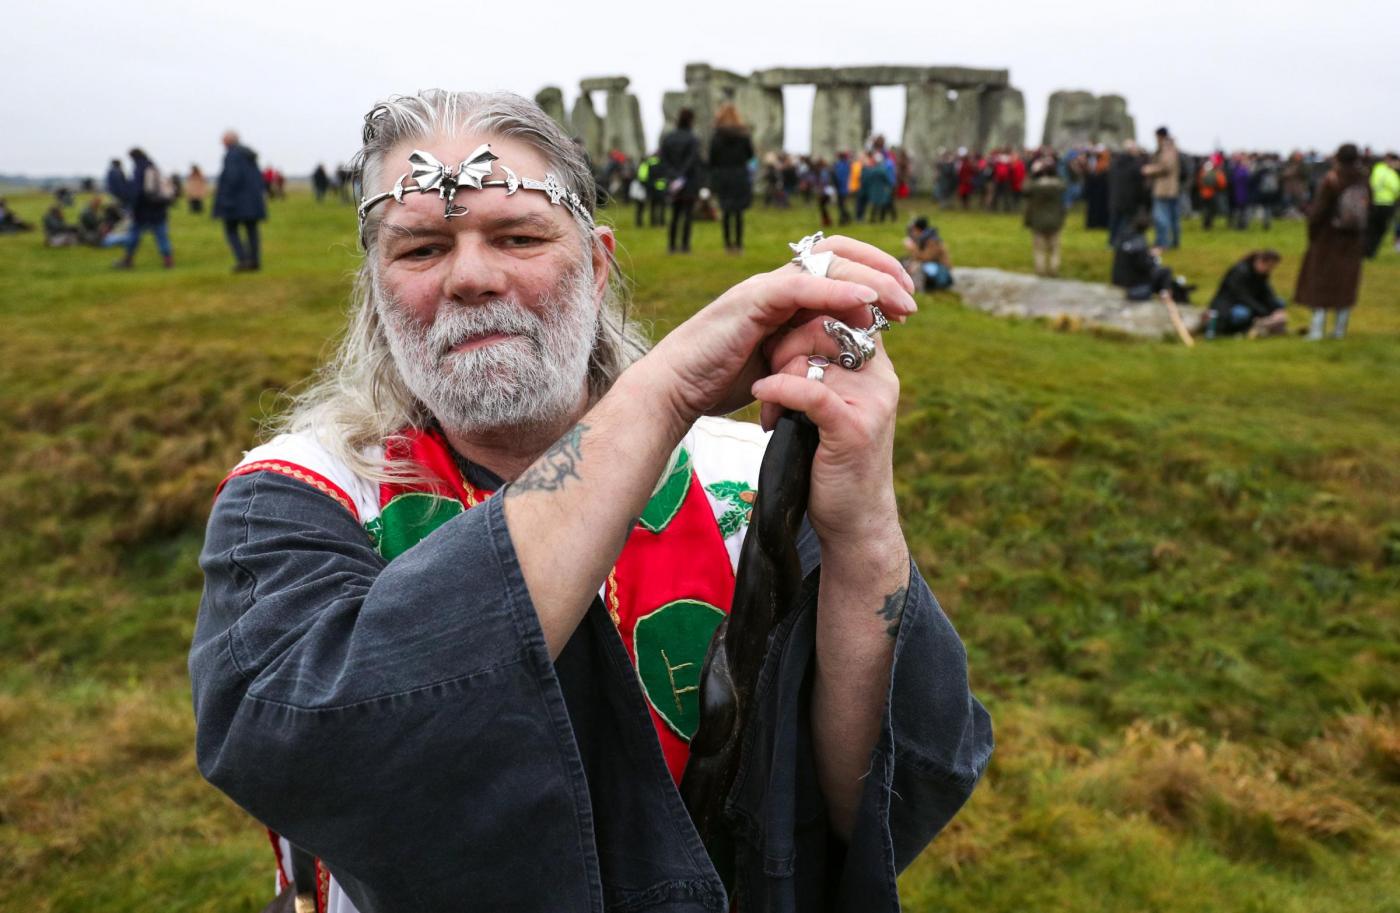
(430, 174)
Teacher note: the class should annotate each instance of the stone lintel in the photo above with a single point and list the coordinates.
(953, 77)
(603, 84)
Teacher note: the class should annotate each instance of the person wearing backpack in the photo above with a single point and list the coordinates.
(1331, 273)
(148, 201)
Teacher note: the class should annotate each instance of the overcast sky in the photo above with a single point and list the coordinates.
(85, 81)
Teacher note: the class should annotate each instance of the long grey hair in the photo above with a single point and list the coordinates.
(358, 399)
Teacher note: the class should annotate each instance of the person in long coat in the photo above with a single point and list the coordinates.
(680, 162)
(1127, 191)
(878, 186)
(731, 148)
(239, 202)
(1331, 273)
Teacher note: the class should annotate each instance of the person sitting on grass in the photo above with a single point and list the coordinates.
(57, 232)
(1138, 268)
(927, 256)
(1245, 302)
(96, 220)
(9, 222)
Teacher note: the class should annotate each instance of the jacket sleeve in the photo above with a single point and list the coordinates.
(1235, 289)
(935, 742)
(338, 697)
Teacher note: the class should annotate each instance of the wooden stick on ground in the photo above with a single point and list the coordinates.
(1177, 322)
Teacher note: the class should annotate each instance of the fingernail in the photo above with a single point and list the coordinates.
(869, 295)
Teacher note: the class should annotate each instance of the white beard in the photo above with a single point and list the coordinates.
(534, 379)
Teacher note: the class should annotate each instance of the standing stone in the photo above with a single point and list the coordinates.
(1003, 119)
(671, 104)
(708, 87)
(928, 128)
(1116, 125)
(634, 120)
(1072, 119)
(588, 127)
(699, 98)
(840, 120)
(622, 124)
(762, 110)
(967, 119)
(551, 101)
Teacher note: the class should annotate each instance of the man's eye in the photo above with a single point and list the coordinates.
(424, 252)
(523, 240)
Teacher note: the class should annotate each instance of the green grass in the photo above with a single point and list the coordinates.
(1177, 572)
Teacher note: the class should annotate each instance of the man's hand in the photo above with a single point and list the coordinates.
(707, 365)
(865, 562)
(710, 362)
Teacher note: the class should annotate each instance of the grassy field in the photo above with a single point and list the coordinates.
(1177, 571)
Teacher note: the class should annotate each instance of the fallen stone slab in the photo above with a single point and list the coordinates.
(1067, 302)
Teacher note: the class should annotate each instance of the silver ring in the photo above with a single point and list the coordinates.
(878, 322)
(815, 263)
(816, 367)
(856, 345)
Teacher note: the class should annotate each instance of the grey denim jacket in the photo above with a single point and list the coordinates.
(404, 722)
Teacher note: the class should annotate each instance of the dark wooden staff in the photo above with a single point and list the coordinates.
(765, 591)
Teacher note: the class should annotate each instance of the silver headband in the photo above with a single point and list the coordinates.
(429, 174)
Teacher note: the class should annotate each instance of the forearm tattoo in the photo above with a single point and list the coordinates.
(893, 610)
(555, 467)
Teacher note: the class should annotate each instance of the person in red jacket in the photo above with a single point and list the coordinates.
(1018, 179)
(967, 174)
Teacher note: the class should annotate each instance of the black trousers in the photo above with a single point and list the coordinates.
(250, 254)
(654, 207)
(733, 228)
(1376, 226)
(680, 225)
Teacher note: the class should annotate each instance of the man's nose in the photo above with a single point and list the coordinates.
(475, 272)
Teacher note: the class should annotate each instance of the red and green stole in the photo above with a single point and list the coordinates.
(669, 590)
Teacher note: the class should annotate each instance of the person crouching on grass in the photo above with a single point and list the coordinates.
(1245, 302)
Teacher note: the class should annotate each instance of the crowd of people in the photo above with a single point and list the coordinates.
(135, 201)
(681, 182)
(1125, 191)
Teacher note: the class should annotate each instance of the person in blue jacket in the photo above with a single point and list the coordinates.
(240, 201)
(148, 198)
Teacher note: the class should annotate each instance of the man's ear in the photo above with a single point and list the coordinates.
(605, 243)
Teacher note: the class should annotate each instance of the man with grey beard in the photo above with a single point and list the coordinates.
(455, 610)
(533, 382)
